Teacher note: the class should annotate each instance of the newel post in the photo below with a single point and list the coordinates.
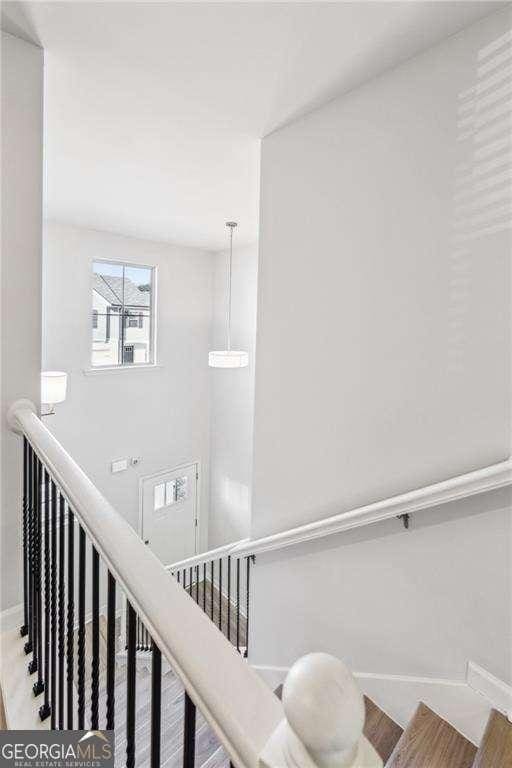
(324, 719)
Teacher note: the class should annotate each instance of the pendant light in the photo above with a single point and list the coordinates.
(229, 358)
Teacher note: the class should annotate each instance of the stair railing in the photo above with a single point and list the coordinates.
(219, 582)
(320, 720)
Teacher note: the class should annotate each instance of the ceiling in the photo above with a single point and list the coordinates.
(155, 111)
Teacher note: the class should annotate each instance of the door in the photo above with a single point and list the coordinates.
(169, 513)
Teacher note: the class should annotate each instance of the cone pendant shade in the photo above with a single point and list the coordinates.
(228, 358)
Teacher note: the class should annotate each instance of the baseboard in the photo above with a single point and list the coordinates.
(273, 676)
(464, 705)
(11, 618)
(494, 689)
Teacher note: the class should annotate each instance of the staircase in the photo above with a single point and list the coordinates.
(430, 742)
(178, 690)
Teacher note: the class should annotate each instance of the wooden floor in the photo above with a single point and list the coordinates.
(208, 749)
(495, 750)
(430, 742)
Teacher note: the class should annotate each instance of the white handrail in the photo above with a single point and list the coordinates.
(455, 488)
(203, 557)
(243, 712)
(234, 700)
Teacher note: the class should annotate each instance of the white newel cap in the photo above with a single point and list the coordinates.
(17, 407)
(325, 715)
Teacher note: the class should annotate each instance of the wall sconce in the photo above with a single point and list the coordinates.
(53, 389)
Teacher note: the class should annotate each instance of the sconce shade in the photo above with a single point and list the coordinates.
(228, 358)
(53, 387)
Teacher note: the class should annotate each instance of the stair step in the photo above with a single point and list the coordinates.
(381, 731)
(431, 742)
(496, 745)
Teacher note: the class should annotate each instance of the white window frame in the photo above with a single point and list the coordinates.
(152, 319)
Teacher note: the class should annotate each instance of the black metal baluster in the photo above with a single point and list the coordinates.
(211, 588)
(156, 704)
(204, 587)
(81, 629)
(62, 627)
(38, 686)
(44, 711)
(220, 594)
(24, 627)
(111, 650)
(30, 554)
(190, 581)
(189, 733)
(197, 584)
(238, 604)
(71, 616)
(229, 598)
(53, 608)
(95, 661)
(249, 559)
(178, 576)
(32, 667)
(131, 681)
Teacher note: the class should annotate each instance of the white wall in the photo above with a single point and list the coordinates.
(421, 602)
(160, 415)
(383, 365)
(22, 162)
(383, 340)
(232, 400)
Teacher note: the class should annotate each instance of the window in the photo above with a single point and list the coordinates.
(169, 493)
(122, 314)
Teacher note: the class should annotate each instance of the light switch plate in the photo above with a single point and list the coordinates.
(120, 465)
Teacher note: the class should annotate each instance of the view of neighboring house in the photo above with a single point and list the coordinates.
(121, 321)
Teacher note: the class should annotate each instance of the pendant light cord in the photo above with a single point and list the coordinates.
(231, 225)
(229, 284)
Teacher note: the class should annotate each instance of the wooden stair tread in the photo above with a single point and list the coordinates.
(431, 742)
(381, 731)
(495, 749)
